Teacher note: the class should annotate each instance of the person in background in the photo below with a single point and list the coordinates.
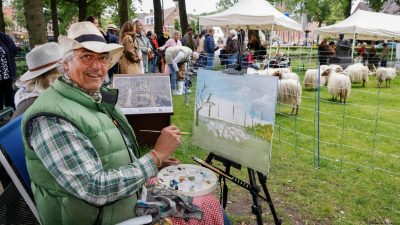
(131, 60)
(232, 47)
(263, 53)
(8, 70)
(173, 41)
(161, 41)
(154, 45)
(188, 40)
(372, 58)
(96, 21)
(254, 44)
(81, 152)
(112, 37)
(176, 58)
(144, 45)
(384, 55)
(362, 52)
(43, 62)
(201, 62)
(209, 49)
(332, 48)
(323, 52)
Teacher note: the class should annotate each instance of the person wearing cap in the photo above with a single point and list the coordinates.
(43, 62)
(176, 58)
(81, 152)
(112, 37)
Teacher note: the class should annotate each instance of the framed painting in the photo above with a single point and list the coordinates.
(143, 94)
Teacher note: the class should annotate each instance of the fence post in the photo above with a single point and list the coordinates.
(319, 116)
(376, 128)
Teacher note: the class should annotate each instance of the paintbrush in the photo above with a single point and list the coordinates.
(158, 131)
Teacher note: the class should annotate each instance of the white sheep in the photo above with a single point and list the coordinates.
(339, 85)
(289, 92)
(336, 68)
(290, 75)
(311, 78)
(358, 73)
(385, 74)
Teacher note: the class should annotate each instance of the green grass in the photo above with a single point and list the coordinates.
(344, 189)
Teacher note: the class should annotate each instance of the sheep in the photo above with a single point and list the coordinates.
(336, 68)
(290, 75)
(311, 79)
(385, 74)
(358, 73)
(289, 92)
(339, 85)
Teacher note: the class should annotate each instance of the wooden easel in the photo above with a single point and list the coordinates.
(252, 186)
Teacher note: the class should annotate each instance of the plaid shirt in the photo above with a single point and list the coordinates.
(73, 161)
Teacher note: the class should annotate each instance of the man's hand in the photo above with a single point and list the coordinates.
(170, 161)
(168, 142)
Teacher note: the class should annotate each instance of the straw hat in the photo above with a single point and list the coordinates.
(42, 59)
(112, 27)
(87, 35)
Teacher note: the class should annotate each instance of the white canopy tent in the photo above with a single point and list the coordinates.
(251, 14)
(366, 26)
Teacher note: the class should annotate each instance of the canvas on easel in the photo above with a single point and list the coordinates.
(234, 117)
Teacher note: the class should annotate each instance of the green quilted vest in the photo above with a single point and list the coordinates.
(96, 121)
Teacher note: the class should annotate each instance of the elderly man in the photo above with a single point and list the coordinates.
(176, 58)
(81, 153)
(144, 44)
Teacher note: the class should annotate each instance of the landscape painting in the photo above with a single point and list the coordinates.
(143, 94)
(234, 117)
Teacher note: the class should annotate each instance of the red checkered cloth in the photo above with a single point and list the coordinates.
(208, 203)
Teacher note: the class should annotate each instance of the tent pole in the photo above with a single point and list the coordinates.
(354, 44)
(288, 46)
(391, 54)
(270, 42)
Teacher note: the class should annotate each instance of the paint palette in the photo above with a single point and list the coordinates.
(191, 180)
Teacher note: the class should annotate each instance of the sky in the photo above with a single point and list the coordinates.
(192, 6)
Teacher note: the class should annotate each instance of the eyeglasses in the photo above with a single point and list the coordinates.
(89, 59)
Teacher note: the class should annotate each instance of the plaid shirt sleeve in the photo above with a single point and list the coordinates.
(73, 161)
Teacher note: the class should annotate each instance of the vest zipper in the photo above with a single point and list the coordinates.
(123, 137)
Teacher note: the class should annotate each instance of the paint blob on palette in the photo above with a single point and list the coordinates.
(191, 180)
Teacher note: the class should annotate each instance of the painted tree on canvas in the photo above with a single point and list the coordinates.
(202, 102)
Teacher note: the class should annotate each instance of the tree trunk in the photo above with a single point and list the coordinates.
(2, 23)
(123, 12)
(183, 16)
(35, 22)
(54, 19)
(158, 17)
(347, 8)
(83, 7)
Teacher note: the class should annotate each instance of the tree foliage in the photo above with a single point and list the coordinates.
(376, 5)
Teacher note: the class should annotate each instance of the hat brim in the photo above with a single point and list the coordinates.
(28, 75)
(115, 50)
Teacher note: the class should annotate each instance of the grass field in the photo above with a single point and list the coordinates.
(357, 181)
